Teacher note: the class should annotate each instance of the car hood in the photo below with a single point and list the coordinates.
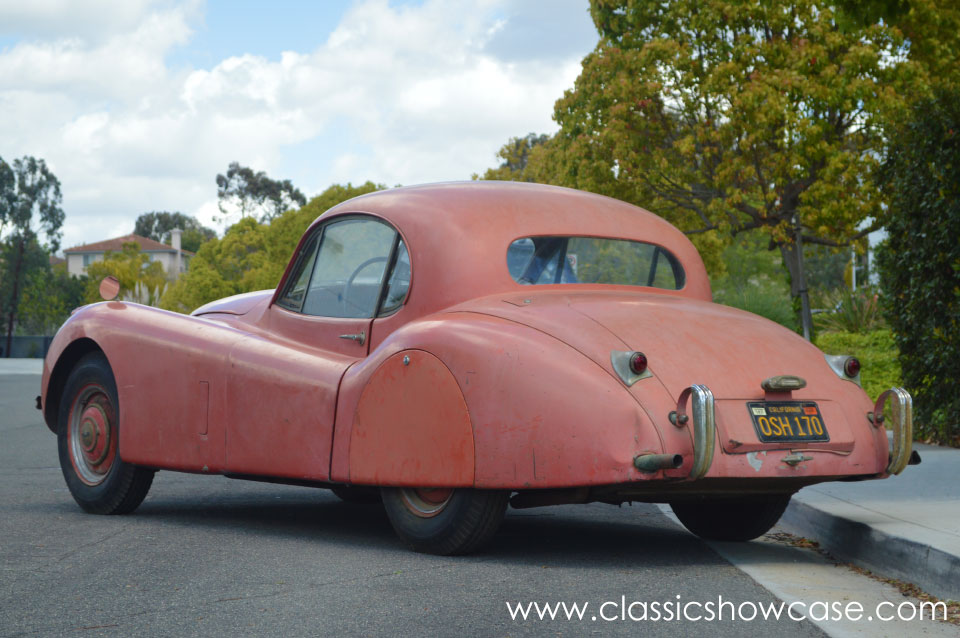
(686, 340)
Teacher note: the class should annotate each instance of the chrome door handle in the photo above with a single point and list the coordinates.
(360, 337)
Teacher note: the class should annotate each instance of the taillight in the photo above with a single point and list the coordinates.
(638, 363)
(851, 367)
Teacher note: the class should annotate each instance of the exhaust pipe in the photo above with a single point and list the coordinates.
(650, 463)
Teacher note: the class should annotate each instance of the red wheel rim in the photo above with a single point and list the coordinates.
(426, 502)
(92, 434)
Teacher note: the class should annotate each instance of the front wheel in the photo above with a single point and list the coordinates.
(741, 519)
(89, 445)
(444, 521)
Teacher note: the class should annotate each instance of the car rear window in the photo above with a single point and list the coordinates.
(593, 260)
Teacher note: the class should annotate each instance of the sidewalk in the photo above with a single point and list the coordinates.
(905, 527)
(21, 366)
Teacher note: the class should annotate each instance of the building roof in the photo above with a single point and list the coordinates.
(146, 244)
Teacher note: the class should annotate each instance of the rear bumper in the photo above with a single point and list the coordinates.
(802, 463)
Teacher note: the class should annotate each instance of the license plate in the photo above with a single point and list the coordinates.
(791, 421)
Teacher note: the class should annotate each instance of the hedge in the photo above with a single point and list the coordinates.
(877, 352)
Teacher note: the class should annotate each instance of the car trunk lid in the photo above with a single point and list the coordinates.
(689, 341)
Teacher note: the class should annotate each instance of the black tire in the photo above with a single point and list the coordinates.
(88, 442)
(724, 519)
(465, 521)
(357, 494)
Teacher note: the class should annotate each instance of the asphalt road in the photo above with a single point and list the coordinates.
(209, 556)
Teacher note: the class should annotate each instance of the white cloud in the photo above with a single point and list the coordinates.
(420, 91)
(87, 19)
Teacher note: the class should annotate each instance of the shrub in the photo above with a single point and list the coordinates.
(766, 301)
(754, 280)
(851, 311)
(919, 263)
(877, 352)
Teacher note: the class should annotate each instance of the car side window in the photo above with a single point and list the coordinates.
(292, 299)
(349, 268)
(399, 281)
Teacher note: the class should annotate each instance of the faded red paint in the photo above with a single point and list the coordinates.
(509, 386)
(411, 426)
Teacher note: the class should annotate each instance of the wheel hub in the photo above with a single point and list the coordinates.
(94, 433)
(426, 502)
(93, 445)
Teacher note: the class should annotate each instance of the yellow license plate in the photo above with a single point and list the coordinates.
(791, 421)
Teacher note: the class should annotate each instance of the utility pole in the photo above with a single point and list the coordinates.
(806, 318)
(853, 269)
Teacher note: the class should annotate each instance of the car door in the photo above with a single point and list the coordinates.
(284, 378)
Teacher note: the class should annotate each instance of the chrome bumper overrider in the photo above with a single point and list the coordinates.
(704, 426)
(902, 426)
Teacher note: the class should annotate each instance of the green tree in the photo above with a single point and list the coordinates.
(33, 259)
(930, 28)
(250, 192)
(141, 279)
(49, 297)
(157, 225)
(919, 263)
(514, 156)
(29, 205)
(222, 267)
(251, 255)
(731, 117)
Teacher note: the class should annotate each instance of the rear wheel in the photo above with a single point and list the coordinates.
(741, 519)
(88, 442)
(444, 520)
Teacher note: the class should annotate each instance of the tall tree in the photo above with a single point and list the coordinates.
(251, 192)
(731, 117)
(920, 262)
(29, 205)
(514, 156)
(156, 225)
(50, 294)
(930, 27)
(32, 259)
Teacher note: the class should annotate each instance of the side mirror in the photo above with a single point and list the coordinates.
(109, 288)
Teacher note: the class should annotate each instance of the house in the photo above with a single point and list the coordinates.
(173, 258)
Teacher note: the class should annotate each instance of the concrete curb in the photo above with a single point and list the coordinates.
(934, 571)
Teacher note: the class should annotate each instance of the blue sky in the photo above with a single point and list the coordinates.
(138, 104)
(259, 28)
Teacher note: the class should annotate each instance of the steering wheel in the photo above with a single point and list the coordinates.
(349, 284)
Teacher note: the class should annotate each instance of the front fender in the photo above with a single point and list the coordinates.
(79, 335)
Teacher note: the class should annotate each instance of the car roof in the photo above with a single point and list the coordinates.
(458, 233)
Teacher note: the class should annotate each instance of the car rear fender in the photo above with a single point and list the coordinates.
(534, 412)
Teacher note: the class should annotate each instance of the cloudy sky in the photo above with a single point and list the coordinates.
(137, 104)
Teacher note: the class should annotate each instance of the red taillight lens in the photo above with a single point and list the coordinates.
(638, 363)
(851, 367)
